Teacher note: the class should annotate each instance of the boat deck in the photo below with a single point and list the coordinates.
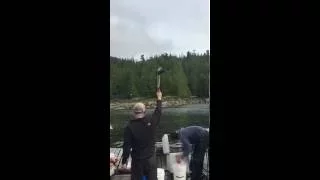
(161, 160)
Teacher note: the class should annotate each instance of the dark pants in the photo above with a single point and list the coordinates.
(196, 163)
(144, 167)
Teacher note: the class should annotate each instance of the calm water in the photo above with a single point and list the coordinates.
(171, 120)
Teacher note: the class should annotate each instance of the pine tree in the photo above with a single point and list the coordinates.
(185, 76)
(142, 58)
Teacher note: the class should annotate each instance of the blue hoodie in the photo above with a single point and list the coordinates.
(190, 136)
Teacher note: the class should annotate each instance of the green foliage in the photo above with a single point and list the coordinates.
(184, 77)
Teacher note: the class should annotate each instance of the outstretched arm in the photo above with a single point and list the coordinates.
(186, 149)
(186, 146)
(157, 112)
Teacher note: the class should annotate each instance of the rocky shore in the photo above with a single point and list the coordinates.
(150, 103)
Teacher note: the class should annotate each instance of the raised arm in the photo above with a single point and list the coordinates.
(157, 112)
(126, 145)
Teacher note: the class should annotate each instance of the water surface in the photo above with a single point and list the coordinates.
(171, 120)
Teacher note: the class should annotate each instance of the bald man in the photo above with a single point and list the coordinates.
(139, 135)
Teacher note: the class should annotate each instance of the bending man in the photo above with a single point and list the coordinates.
(197, 137)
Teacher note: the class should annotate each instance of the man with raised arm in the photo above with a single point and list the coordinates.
(139, 141)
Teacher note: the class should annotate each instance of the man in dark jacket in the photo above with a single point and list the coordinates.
(197, 137)
(139, 135)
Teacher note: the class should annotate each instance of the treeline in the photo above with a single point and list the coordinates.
(184, 77)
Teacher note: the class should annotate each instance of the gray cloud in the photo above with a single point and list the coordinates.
(151, 27)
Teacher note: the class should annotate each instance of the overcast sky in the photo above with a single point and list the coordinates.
(153, 27)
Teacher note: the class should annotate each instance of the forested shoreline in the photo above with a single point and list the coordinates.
(184, 77)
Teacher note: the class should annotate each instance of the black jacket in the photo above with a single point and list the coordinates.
(139, 135)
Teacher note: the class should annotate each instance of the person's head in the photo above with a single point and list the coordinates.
(139, 110)
(174, 135)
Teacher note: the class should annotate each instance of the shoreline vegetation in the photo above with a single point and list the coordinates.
(167, 102)
(184, 77)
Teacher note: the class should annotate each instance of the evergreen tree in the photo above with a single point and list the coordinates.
(185, 76)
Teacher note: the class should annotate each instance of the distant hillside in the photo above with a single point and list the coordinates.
(185, 76)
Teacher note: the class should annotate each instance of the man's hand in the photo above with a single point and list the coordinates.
(179, 158)
(124, 166)
(159, 94)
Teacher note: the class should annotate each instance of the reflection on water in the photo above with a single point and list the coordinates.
(171, 120)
